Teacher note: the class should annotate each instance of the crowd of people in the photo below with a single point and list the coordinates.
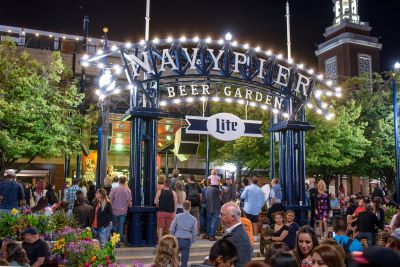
(103, 210)
(333, 235)
(187, 210)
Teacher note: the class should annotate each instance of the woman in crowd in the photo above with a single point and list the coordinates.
(180, 195)
(273, 249)
(281, 231)
(166, 202)
(14, 254)
(84, 187)
(306, 241)
(322, 207)
(101, 217)
(290, 240)
(377, 210)
(283, 259)
(332, 242)
(42, 206)
(326, 256)
(91, 193)
(51, 195)
(39, 190)
(167, 252)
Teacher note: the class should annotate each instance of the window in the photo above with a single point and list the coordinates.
(364, 65)
(331, 68)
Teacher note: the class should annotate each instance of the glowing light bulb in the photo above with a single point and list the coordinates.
(220, 41)
(114, 48)
(215, 98)
(268, 53)
(310, 71)
(183, 39)
(234, 43)
(142, 42)
(301, 66)
(163, 103)
(329, 83)
(246, 46)
(228, 36)
(156, 40)
(257, 49)
(196, 39)
(169, 39)
(208, 40)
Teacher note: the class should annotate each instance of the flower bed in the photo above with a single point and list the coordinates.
(71, 245)
(75, 247)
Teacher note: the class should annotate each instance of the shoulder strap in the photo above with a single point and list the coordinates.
(346, 246)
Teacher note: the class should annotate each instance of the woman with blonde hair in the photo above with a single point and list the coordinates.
(101, 217)
(322, 208)
(167, 252)
(180, 195)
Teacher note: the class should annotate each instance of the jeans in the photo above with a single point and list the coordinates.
(212, 223)
(118, 224)
(369, 236)
(184, 248)
(203, 219)
(103, 234)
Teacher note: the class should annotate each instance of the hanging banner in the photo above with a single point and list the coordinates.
(223, 126)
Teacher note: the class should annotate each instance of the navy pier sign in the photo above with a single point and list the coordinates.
(178, 77)
(223, 126)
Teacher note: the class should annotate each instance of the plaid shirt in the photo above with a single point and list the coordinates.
(71, 195)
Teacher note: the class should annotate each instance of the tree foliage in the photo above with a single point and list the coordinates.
(38, 107)
(335, 144)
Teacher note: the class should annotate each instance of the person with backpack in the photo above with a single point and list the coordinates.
(339, 228)
(193, 194)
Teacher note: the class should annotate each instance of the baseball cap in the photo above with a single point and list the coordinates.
(30, 230)
(11, 173)
(375, 181)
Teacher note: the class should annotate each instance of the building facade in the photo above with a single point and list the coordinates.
(348, 50)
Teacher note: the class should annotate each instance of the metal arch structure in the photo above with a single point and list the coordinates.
(164, 72)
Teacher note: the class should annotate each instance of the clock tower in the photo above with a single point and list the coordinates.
(348, 50)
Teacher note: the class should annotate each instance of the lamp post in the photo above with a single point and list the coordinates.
(396, 133)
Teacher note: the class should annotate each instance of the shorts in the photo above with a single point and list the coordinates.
(195, 211)
(164, 219)
(251, 217)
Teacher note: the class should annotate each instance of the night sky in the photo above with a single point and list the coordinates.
(257, 22)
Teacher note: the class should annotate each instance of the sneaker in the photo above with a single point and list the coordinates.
(205, 236)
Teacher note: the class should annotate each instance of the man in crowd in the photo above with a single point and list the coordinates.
(82, 210)
(254, 201)
(121, 200)
(377, 191)
(36, 248)
(235, 232)
(213, 203)
(389, 202)
(228, 191)
(223, 253)
(10, 193)
(184, 228)
(340, 229)
(193, 194)
(71, 194)
(367, 224)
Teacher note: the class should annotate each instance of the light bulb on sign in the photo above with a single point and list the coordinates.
(228, 36)
(105, 81)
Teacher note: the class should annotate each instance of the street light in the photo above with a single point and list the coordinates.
(396, 132)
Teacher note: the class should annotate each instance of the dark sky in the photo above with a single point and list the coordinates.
(258, 22)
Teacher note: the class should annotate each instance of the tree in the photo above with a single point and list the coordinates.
(38, 108)
(375, 97)
(336, 144)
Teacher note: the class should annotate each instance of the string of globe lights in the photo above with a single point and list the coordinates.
(111, 71)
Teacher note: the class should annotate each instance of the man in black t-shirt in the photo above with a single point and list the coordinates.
(36, 248)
